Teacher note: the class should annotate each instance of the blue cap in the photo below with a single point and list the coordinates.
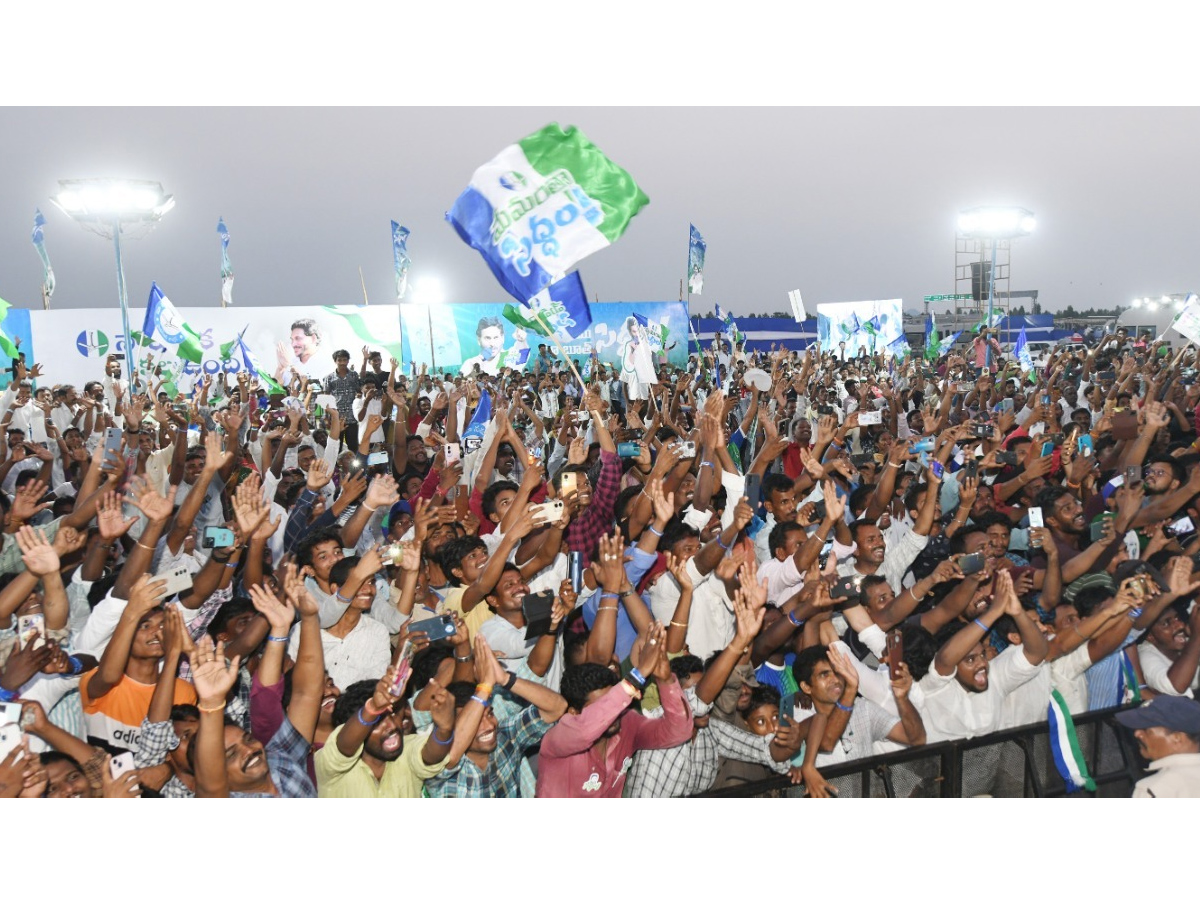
(1171, 713)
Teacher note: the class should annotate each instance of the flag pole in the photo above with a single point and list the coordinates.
(561, 349)
(366, 302)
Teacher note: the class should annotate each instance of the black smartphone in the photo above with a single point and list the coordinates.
(971, 563)
(439, 628)
(819, 510)
(787, 708)
(754, 489)
(1133, 474)
(847, 587)
(1007, 457)
(575, 570)
(972, 468)
(537, 608)
(895, 651)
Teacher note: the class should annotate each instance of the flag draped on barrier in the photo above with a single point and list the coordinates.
(1064, 746)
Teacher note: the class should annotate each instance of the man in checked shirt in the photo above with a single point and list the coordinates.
(591, 510)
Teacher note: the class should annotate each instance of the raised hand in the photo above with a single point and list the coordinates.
(281, 614)
(250, 510)
(212, 674)
(297, 593)
(110, 517)
(215, 456)
(319, 475)
(608, 565)
(37, 553)
(677, 566)
(146, 594)
(154, 505)
(25, 503)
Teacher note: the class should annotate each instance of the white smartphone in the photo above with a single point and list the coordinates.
(453, 452)
(120, 764)
(1035, 517)
(31, 629)
(10, 737)
(689, 450)
(178, 579)
(874, 417)
(10, 714)
(549, 512)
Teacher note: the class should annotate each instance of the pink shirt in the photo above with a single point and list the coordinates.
(571, 766)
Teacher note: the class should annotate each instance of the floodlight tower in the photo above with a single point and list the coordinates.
(108, 206)
(984, 231)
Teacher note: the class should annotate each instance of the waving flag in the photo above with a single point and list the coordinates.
(1022, 351)
(164, 320)
(932, 341)
(7, 347)
(900, 346)
(696, 248)
(797, 304)
(987, 322)
(850, 326)
(473, 433)
(400, 258)
(656, 333)
(226, 265)
(250, 361)
(872, 326)
(362, 330)
(39, 244)
(542, 205)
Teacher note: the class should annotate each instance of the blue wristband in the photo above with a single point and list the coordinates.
(433, 736)
(76, 665)
(654, 531)
(799, 623)
(7, 696)
(980, 624)
(1136, 614)
(844, 708)
(277, 640)
(722, 544)
(370, 724)
(637, 676)
(484, 703)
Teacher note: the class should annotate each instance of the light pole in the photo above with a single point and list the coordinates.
(106, 206)
(429, 291)
(995, 223)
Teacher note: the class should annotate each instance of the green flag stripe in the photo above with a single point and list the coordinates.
(603, 180)
(360, 329)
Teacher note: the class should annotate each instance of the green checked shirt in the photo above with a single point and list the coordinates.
(502, 778)
(10, 553)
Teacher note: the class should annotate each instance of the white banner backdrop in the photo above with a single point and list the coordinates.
(71, 343)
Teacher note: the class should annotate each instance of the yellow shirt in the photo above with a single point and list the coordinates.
(474, 620)
(350, 777)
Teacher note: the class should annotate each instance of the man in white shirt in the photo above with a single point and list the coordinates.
(1171, 652)
(872, 556)
(779, 498)
(1167, 731)
(964, 693)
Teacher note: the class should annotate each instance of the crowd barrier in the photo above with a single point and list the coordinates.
(1014, 763)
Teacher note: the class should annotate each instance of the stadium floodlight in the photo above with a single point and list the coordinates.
(108, 207)
(994, 224)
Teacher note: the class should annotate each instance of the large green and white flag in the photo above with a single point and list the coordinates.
(543, 204)
(163, 320)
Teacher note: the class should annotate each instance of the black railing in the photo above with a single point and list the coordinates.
(1012, 763)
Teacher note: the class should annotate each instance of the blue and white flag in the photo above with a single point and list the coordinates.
(851, 326)
(400, 258)
(1064, 747)
(1022, 351)
(564, 306)
(39, 244)
(226, 265)
(473, 433)
(696, 248)
(543, 204)
(900, 347)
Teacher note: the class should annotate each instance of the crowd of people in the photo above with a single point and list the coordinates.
(621, 589)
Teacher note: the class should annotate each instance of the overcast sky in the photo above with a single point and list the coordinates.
(844, 204)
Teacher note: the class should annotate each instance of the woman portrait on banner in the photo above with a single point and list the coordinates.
(637, 360)
(492, 356)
